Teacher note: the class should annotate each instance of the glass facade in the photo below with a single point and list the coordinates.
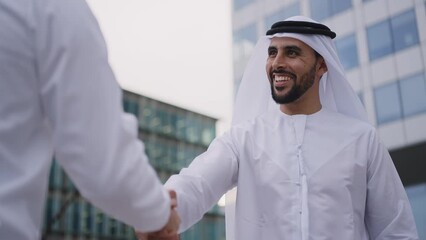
(210, 227)
(379, 40)
(172, 138)
(244, 41)
(69, 216)
(417, 196)
(322, 9)
(403, 98)
(413, 95)
(282, 14)
(239, 4)
(347, 51)
(392, 35)
(388, 104)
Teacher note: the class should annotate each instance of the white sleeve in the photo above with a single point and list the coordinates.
(206, 179)
(94, 140)
(388, 211)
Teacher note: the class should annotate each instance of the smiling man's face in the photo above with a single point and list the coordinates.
(292, 69)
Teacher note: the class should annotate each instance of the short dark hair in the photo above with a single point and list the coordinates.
(317, 55)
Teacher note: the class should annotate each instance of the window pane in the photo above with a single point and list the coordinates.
(404, 30)
(413, 94)
(244, 41)
(340, 5)
(99, 222)
(180, 126)
(379, 40)
(417, 196)
(347, 50)
(320, 9)
(238, 4)
(282, 14)
(246, 35)
(388, 106)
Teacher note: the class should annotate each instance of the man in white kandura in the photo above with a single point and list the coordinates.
(59, 96)
(306, 163)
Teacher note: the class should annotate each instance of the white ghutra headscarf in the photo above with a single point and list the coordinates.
(254, 94)
(335, 91)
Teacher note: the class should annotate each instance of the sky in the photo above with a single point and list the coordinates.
(178, 52)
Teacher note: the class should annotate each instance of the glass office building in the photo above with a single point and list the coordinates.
(173, 137)
(382, 46)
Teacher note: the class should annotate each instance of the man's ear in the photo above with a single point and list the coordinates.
(321, 66)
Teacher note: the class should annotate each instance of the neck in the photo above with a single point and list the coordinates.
(300, 108)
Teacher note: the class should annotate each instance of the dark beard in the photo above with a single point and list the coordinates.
(306, 82)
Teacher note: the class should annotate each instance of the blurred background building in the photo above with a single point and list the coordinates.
(173, 137)
(382, 45)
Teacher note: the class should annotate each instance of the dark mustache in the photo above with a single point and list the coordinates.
(283, 71)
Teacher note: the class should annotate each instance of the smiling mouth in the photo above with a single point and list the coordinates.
(280, 81)
(280, 78)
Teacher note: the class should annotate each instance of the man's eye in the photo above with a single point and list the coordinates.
(272, 53)
(291, 53)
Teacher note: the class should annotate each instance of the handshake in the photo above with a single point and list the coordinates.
(170, 230)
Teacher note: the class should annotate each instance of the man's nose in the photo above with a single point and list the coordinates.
(280, 61)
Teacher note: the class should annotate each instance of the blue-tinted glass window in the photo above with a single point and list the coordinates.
(180, 125)
(282, 14)
(99, 222)
(348, 51)
(131, 106)
(404, 30)
(338, 6)
(146, 114)
(87, 216)
(107, 225)
(320, 9)
(417, 196)
(413, 95)
(76, 217)
(49, 212)
(243, 43)
(247, 34)
(238, 4)
(387, 100)
(379, 40)
(392, 35)
(120, 229)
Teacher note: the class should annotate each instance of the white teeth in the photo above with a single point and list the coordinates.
(282, 78)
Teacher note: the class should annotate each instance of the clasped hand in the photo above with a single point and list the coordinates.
(168, 232)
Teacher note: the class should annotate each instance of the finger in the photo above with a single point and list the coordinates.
(173, 198)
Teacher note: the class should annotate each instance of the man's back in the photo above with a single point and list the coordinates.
(25, 145)
(58, 96)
